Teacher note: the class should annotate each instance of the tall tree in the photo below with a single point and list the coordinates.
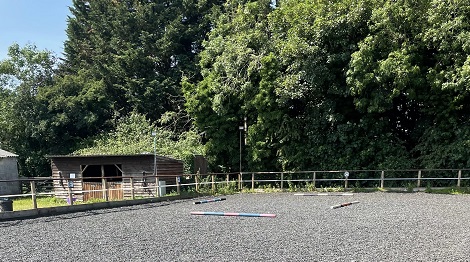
(285, 69)
(76, 107)
(386, 75)
(230, 63)
(314, 41)
(446, 113)
(22, 75)
(411, 71)
(139, 49)
(6, 96)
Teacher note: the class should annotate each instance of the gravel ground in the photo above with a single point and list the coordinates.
(382, 227)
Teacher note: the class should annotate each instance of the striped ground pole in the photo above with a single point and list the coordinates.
(344, 204)
(210, 200)
(232, 214)
(323, 194)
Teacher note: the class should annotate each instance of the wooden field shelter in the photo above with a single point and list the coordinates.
(113, 176)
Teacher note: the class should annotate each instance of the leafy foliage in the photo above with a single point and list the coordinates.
(133, 135)
(345, 84)
(22, 76)
(138, 49)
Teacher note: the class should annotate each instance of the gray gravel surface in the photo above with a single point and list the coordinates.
(382, 227)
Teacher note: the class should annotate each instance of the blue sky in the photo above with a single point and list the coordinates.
(38, 22)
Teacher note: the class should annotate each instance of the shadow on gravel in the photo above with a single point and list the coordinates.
(59, 217)
(10, 223)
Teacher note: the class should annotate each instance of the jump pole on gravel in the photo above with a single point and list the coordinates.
(344, 204)
(210, 200)
(322, 194)
(233, 214)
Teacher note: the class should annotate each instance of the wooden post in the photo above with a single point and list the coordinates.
(282, 181)
(157, 186)
(70, 195)
(213, 183)
(382, 178)
(228, 179)
(197, 182)
(132, 188)
(314, 179)
(253, 181)
(104, 186)
(459, 177)
(419, 179)
(178, 188)
(238, 181)
(33, 194)
(105, 189)
(345, 182)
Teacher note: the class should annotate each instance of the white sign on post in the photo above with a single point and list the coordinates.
(72, 175)
(346, 174)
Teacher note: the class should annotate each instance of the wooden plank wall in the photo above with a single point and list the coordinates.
(62, 170)
(96, 191)
(137, 165)
(147, 188)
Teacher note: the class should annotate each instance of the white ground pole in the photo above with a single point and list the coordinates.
(323, 194)
(344, 204)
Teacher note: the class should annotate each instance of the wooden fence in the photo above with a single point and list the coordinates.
(250, 180)
(412, 178)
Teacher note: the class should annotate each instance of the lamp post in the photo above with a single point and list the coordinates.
(240, 176)
(157, 186)
(241, 128)
(154, 134)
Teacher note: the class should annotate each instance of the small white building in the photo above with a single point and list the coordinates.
(9, 173)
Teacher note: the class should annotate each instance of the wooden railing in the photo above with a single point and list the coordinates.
(135, 187)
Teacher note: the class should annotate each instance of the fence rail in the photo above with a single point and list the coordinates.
(109, 189)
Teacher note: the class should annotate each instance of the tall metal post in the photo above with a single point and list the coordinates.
(154, 134)
(157, 186)
(241, 128)
(240, 175)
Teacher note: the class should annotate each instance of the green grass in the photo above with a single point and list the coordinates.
(449, 190)
(268, 189)
(93, 200)
(367, 190)
(25, 203)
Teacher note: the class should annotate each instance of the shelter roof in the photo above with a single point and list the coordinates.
(113, 155)
(4, 154)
